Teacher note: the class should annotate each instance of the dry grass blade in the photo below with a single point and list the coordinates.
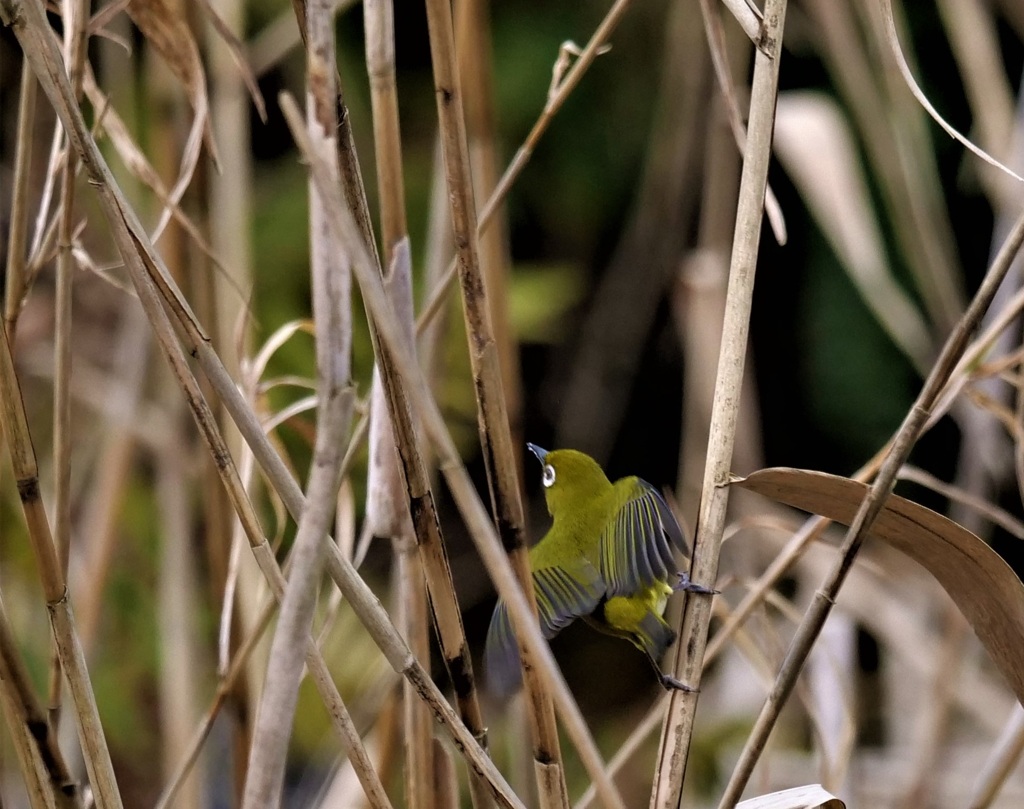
(911, 429)
(678, 728)
(973, 36)
(164, 25)
(922, 99)
(23, 461)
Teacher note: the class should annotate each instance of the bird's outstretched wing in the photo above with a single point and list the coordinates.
(635, 550)
(563, 594)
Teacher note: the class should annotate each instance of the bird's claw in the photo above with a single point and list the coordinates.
(688, 586)
(672, 684)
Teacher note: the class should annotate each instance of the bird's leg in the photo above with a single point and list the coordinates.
(688, 586)
(669, 682)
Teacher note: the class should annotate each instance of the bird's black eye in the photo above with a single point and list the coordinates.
(549, 475)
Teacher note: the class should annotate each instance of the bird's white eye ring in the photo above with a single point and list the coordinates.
(549, 475)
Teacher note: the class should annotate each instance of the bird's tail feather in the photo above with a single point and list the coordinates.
(501, 656)
(653, 636)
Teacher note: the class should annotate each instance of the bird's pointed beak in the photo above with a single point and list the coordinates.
(540, 453)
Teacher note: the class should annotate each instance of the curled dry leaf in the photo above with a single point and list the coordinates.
(981, 584)
(813, 796)
(165, 27)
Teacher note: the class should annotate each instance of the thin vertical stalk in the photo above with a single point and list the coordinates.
(75, 14)
(678, 727)
(26, 473)
(177, 600)
(495, 433)
(32, 735)
(552, 105)
(229, 218)
(331, 288)
(387, 507)
(473, 36)
(15, 282)
(426, 526)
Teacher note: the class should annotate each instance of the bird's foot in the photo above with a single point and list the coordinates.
(672, 684)
(688, 586)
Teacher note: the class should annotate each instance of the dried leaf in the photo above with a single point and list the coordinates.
(813, 796)
(981, 584)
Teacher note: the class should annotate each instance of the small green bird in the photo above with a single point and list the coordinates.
(607, 558)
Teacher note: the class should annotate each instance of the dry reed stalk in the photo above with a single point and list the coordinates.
(15, 282)
(224, 306)
(646, 258)
(177, 600)
(331, 286)
(467, 501)
(75, 15)
(495, 434)
(225, 691)
(421, 507)
(388, 507)
(473, 46)
(46, 774)
(62, 624)
(678, 727)
(910, 430)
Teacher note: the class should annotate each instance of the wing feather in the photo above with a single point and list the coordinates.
(563, 594)
(636, 550)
